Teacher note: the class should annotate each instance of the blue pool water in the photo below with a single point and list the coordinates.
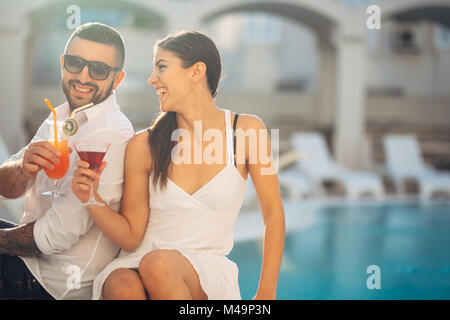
(410, 243)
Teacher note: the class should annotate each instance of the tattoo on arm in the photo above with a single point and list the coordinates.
(16, 181)
(18, 241)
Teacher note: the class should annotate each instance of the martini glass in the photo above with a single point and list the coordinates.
(92, 152)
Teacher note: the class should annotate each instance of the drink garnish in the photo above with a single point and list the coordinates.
(70, 125)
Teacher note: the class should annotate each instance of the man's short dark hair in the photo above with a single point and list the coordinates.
(101, 33)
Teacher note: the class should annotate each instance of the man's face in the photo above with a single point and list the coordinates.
(81, 88)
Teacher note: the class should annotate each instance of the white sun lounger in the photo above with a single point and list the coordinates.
(294, 186)
(317, 163)
(404, 161)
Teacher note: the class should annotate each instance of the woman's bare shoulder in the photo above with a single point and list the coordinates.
(139, 148)
(139, 140)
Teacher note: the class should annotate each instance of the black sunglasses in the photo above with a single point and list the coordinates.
(97, 70)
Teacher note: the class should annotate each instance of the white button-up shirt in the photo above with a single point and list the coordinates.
(74, 248)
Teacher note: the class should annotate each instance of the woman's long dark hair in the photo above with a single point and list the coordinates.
(191, 47)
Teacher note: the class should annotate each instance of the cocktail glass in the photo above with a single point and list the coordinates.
(92, 152)
(60, 168)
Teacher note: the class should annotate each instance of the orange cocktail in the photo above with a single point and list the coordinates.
(61, 168)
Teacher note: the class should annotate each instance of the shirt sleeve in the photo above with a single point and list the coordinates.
(63, 224)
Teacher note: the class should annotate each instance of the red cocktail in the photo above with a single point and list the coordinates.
(92, 152)
(94, 158)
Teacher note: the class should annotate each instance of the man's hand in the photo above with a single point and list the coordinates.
(14, 175)
(39, 155)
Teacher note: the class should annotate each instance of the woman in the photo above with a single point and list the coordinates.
(176, 220)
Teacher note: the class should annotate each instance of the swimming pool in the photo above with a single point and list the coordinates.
(410, 243)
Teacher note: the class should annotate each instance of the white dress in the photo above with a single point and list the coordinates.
(199, 226)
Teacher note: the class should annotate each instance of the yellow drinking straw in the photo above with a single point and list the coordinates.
(54, 120)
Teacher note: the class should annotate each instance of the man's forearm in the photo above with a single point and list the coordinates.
(13, 180)
(18, 241)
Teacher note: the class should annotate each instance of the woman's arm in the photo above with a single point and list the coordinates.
(264, 176)
(126, 228)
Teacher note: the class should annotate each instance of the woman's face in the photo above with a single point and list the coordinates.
(172, 82)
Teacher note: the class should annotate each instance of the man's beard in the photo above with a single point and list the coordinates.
(97, 97)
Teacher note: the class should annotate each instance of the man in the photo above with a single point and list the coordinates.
(57, 250)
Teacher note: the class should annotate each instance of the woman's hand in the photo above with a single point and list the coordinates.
(82, 178)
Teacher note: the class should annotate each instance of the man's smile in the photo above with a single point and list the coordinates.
(82, 91)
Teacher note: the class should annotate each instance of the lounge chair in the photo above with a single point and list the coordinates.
(294, 185)
(317, 163)
(404, 161)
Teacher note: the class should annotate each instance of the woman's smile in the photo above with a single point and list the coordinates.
(162, 92)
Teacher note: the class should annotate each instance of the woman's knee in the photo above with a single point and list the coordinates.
(157, 266)
(166, 274)
(123, 284)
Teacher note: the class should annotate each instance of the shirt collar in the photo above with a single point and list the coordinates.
(107, 105)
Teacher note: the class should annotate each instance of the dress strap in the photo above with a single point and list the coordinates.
(234, 138)
(229, 134)
(231, 137)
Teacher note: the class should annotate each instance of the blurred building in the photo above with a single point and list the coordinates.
(298, 64)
